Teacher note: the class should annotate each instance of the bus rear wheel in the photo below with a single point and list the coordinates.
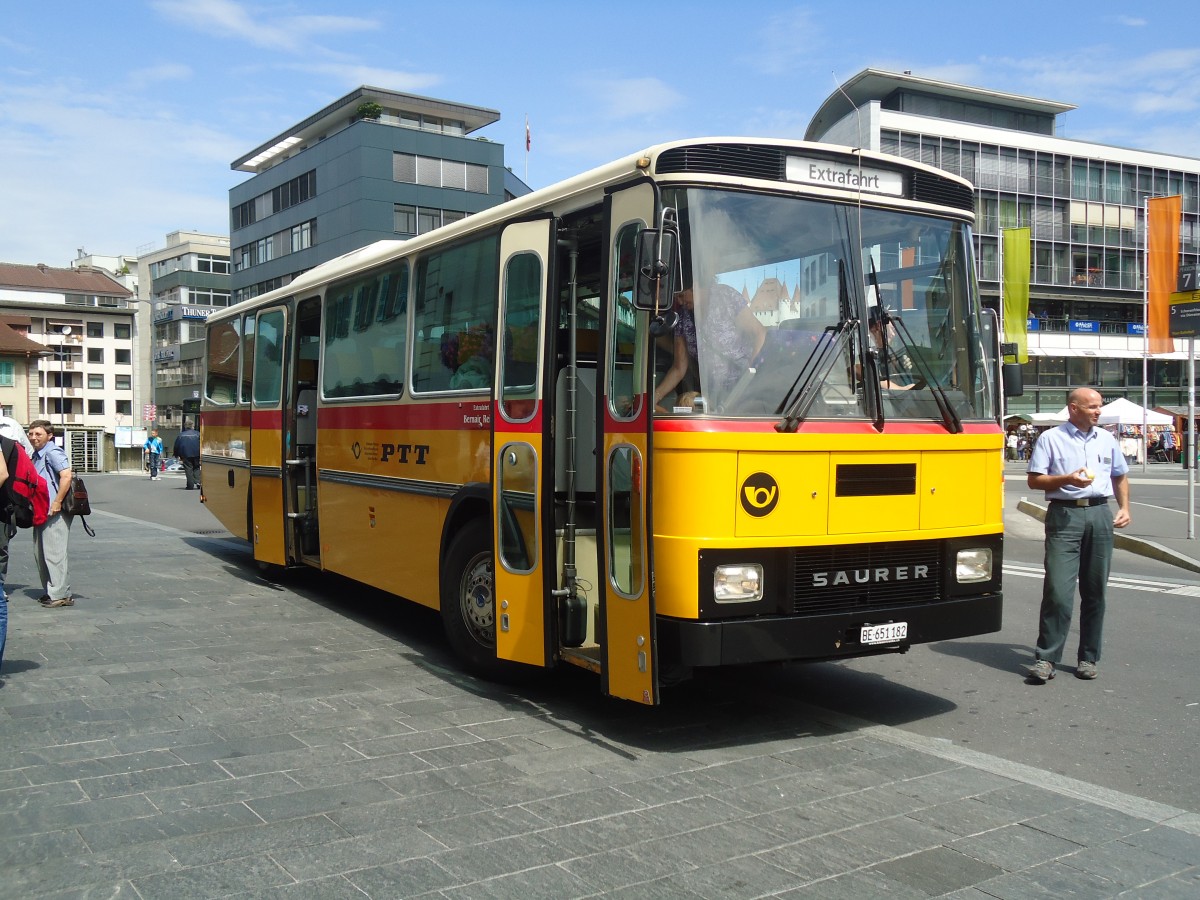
(469, 598)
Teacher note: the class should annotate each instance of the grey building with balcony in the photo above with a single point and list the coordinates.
(1085, 206)
(179, 283)
(374, 164)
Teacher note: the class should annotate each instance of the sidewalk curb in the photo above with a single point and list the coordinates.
(1140, 546)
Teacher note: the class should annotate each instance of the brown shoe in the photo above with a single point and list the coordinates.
(61, 601)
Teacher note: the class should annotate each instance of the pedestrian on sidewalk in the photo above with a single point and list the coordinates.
(187, 448)
(11, 429)
(3, 595)
(153, 449)
(1080, 467)
(50, 539)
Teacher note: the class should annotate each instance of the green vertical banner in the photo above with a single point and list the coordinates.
(1016, 290)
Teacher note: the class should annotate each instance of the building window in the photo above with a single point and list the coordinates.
(405, 218)
(452, 174)
(124, 407)
(95, 354)
(95, 329)
(122, 331)
(218, 265)
(123, 357)
(95, 407)
(287, 195)
(7, 375)
(124, 382)
(95, 382)
(281, 243)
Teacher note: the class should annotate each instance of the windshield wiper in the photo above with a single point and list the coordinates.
(950, 418)
(812, 374)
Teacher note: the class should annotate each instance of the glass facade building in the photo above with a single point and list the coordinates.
(1084, 203)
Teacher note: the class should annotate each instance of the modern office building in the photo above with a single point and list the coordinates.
(374, 164)
(1084, 203)
(180, 284)
(83, 379)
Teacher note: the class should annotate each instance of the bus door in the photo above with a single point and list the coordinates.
(300, 438)
(626, 588)
(523, 524)
(268, 535)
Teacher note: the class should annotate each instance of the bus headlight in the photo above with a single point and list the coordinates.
(738, 584)
(973, 565)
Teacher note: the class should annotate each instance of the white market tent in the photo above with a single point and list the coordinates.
(1049, 418)
(1119, 412)
(1126, 412)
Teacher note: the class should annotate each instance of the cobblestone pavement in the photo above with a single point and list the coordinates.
(189, 729)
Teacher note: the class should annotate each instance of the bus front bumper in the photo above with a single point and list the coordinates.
(822, 637)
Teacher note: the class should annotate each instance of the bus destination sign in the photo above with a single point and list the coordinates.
(822, 173)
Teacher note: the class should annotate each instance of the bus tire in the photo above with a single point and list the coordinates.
(468, 587)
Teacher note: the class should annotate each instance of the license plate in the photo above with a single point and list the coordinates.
(884, 634)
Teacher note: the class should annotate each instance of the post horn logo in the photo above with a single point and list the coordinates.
(759, 494)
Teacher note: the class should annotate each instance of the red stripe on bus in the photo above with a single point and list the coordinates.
(266, 419)
(760, 426)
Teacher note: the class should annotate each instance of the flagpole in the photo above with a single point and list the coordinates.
(1145, 328)
(1003, 324)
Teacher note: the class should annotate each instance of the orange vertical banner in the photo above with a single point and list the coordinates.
(1162, 268)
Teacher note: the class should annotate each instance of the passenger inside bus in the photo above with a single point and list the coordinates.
(717, 319)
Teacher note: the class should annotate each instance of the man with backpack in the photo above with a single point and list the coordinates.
(50, 538)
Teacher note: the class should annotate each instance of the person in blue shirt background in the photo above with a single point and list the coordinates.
(154, 450)
(1080, 467)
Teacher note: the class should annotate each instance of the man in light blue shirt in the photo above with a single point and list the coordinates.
(1080, 467)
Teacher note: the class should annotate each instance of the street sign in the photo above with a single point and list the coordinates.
(1187, 278)
(1185, 314)
(149, 412)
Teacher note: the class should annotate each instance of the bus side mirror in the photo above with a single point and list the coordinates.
(657, 262)
(1011, 375)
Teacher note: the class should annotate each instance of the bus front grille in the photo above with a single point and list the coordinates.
(864, 577)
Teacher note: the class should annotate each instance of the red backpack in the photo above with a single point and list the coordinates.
(24, 500)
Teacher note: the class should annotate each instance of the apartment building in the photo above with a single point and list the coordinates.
(82, 379)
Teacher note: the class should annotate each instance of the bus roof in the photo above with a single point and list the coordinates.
(555, 195)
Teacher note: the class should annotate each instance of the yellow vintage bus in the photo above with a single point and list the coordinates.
(723, 401)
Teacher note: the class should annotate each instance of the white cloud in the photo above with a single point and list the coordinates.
(785, 43)
(351, 75)
(630, 98)
(227, 18)
(103, 174)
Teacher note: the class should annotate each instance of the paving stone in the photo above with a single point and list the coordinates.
(234, 737)
(113, 835)
(347, 855)
(747, 876)
(410, 878)
(1169, 842)
(1124, 864)
(231, 843)
(216, 793)
(541, 883)
(251, 874)
(297, 804)
(1015, 847)
(937, 871)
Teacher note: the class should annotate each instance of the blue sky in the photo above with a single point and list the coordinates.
(118, 121)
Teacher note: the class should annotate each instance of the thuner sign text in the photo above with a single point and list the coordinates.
(822, 173)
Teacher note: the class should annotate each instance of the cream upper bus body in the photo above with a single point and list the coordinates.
(583, 189)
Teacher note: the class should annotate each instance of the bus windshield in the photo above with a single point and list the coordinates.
(861, 312)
